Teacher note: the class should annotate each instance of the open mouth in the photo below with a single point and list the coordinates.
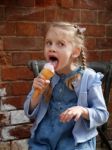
(54, 60)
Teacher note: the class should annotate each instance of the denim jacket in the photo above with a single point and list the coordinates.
(90, 96)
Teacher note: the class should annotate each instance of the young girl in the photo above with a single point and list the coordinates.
(71, 104)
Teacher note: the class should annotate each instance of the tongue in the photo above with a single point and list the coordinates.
(54, 63)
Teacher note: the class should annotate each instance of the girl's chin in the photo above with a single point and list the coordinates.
(60, 71)
(63, 70)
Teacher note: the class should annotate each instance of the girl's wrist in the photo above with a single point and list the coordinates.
(85, 113)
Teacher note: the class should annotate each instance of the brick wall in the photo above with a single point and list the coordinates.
(21, 39)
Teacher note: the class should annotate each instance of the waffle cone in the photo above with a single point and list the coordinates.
(47, 73)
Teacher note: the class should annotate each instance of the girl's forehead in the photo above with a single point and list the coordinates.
(56, 32)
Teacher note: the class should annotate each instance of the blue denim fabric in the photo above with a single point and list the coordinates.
(51, 133)
(88, 145)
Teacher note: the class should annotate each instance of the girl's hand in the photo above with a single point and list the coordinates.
(40, 83)
(75, 113)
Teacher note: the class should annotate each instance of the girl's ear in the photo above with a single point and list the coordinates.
(76, 52)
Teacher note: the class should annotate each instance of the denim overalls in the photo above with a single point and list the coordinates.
(51, 133)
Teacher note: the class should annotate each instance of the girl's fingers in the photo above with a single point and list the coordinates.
(39, 83)
(47, 81)
(66, 116)
(76, 117)
(69, 114)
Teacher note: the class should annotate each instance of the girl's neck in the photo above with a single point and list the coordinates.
(67, 69)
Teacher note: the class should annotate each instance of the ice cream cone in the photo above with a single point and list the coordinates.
(47, 72)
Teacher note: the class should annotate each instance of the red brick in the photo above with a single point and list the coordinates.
(20, 88)
(5, 58)
(24, 3)
(65, 15)
(1, 44)
(104, 43)
(8, 3)
(107, 55)
(24, 14)
(109, 31)
(105, 17)
(77, 4)
(41, 29)
(38, 55)
(4, 118)
(12, 74)
(18, 3)
(16, 43)
(12, 103)
(50, 14)
(93, 56)
(20, 58)
(57, 14)
(95, 30)
(96, 4)
(26, 29)
(24, 57)
(28, 3)
(108, 5)
(3, 85)
(65, 4)
(2, 13)
(20, 132)
(7, 28)
(90, 43)
(16, 132)
(45, 3)
(69, 16)
(88, 16)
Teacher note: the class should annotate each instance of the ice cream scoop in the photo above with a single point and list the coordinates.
(47, 72)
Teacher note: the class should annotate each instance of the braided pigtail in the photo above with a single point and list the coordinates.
(79, 36)
(83, 59)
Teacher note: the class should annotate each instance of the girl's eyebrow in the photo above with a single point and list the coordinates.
(59, 40)
(47, 39)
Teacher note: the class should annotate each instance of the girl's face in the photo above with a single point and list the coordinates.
(59, 49)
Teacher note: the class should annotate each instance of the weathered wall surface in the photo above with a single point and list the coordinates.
(21, 39)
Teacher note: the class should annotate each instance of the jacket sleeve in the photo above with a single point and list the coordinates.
(28, 113)
(98, 113)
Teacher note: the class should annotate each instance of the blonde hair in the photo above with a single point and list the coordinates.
(79, 41)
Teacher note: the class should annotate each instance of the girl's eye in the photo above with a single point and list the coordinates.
(48, 43)
(61, 44)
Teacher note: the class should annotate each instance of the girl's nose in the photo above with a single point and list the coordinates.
(52, 50)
